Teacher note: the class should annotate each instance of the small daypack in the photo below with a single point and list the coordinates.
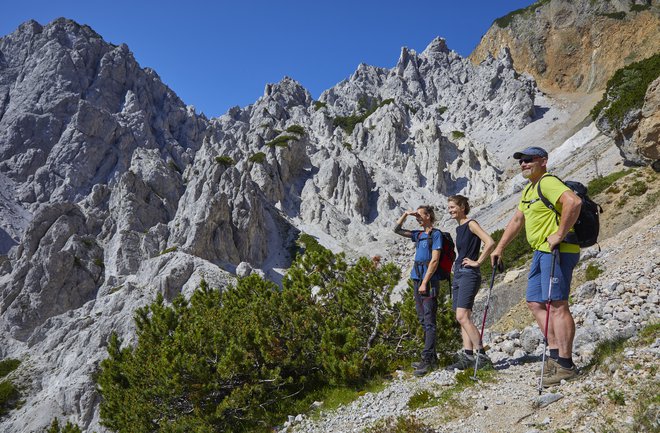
(588, 224)
(447, 253)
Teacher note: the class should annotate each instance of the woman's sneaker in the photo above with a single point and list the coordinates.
(463, 362)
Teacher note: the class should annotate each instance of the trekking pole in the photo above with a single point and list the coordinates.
(555, 253)
(496, 265)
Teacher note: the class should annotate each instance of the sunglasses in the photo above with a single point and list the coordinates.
(527, 159)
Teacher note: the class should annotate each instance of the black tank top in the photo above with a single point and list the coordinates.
(467, 243)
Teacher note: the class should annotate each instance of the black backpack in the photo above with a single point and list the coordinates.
(588, 224)
(447, 254)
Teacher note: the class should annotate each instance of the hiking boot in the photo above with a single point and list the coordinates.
(549, 367)
(560, 373)
(484, 362)
(463, 362)
(425, 367)
(415, 365)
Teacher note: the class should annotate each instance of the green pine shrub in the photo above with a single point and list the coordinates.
(68, 427)
(626, 90)
(308, 243)
(8, 365)
(238, 360)
(258, 158)
(318, 105)
(441, 110)
(281, 141)
(9, 397)
(348, 123)
(296, 129)
(457, 134)
(224, 160)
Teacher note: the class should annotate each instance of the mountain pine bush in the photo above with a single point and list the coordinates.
(626, 90)
(67, 428)
(238, 360)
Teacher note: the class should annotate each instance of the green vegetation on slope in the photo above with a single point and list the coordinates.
(626, 89)
(242, 359)
(503, 22)
(347, 123)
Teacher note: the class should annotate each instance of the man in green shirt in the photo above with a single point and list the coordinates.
(544, 234)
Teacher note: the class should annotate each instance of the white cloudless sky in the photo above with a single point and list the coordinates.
(216, 55)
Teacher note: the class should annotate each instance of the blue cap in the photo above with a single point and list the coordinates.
(531, 151)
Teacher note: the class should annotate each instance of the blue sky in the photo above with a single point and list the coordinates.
(216, 55)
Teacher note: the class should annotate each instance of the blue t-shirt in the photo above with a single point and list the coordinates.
(422, 253)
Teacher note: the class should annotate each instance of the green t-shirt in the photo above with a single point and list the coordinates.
(541, 221)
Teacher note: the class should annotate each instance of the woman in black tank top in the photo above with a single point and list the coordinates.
(467, 279)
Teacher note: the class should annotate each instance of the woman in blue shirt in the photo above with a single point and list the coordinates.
(425, 280)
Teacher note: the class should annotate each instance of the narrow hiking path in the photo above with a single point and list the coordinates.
(618, 394)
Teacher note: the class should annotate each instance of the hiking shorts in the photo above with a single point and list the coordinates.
(464, 287)
(538, 280)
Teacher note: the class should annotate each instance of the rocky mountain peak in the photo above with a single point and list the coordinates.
(436, 46)
(289, 92)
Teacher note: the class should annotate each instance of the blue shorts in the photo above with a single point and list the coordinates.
(539, 276)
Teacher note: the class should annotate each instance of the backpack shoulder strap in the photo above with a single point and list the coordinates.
(529, 185)
(430, 241)
(545, 201)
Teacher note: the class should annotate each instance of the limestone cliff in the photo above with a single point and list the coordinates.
(577, 45)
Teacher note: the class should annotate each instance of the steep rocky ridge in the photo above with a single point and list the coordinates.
(575, 46)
